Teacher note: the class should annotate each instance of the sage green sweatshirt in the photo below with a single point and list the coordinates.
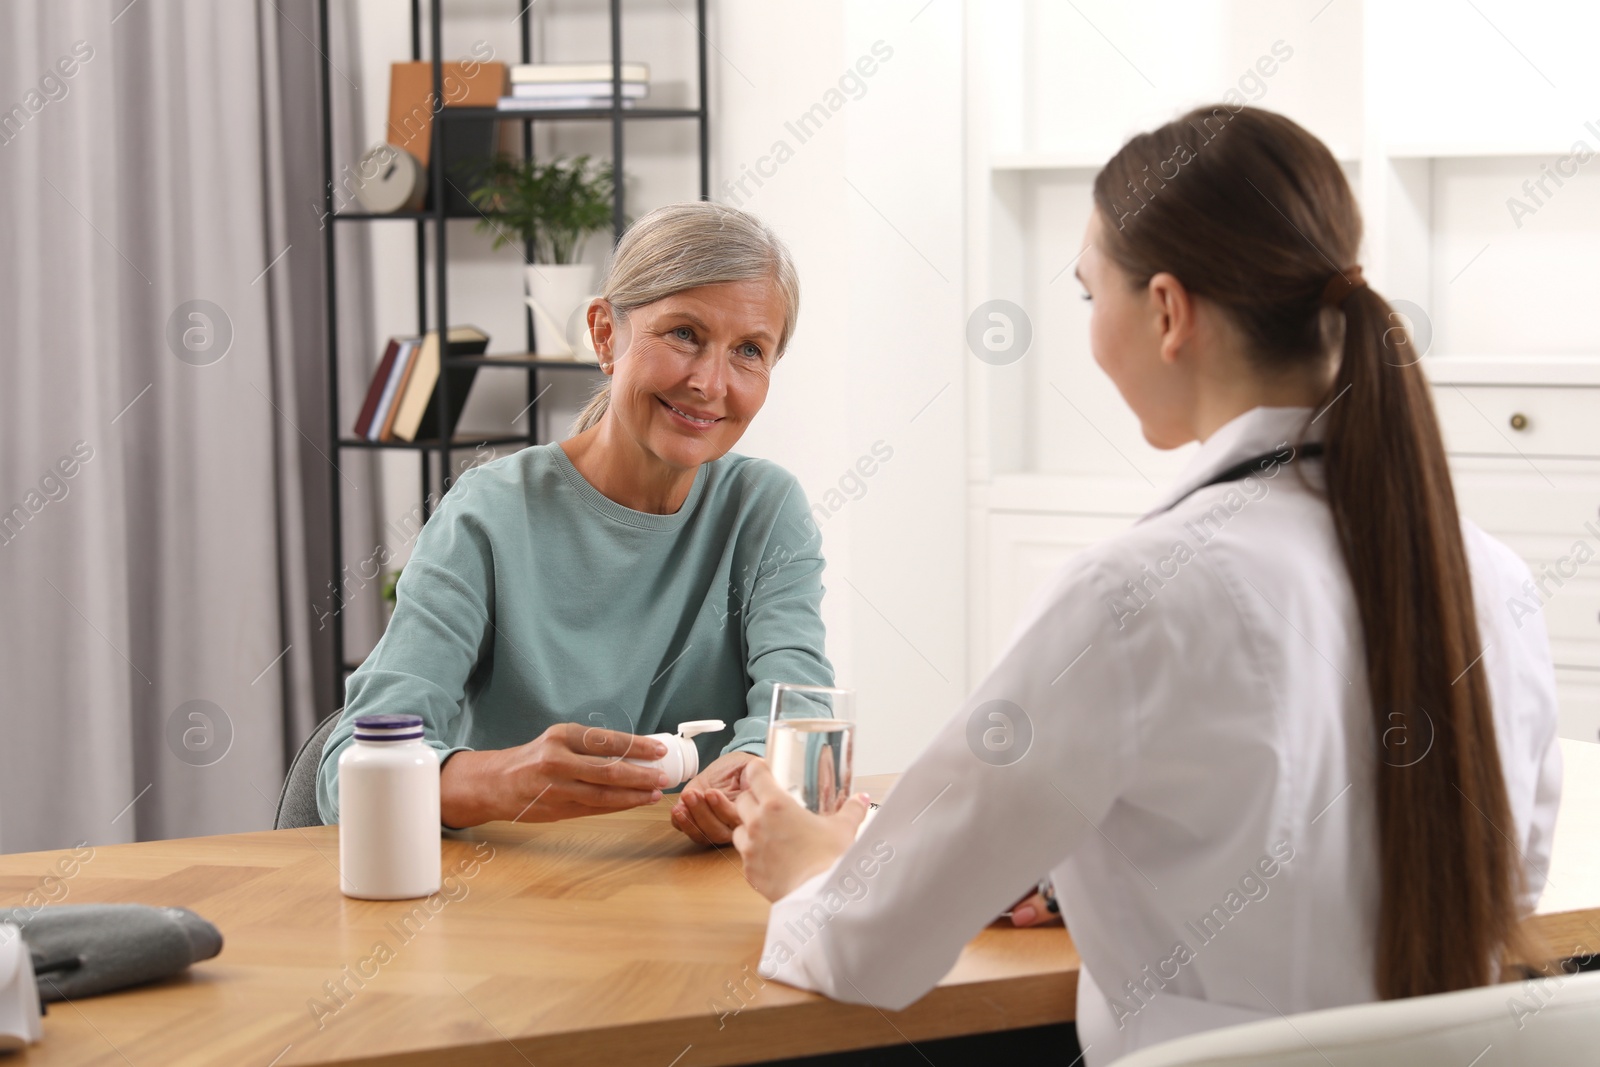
(530, 599)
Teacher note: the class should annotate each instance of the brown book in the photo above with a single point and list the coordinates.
(411, 98)
(380, 378)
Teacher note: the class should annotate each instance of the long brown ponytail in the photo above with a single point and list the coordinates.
(1253, 213)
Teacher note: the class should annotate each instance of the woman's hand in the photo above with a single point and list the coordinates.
(782, 843)
(705, 811)
(567, 771)
(1036, 909)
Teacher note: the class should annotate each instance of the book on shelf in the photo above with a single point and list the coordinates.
(387, 381)
(529, 73)
(560, 103)
(403, 396)
(405, 362)
(418, 406)
(376, 388)
(545, 90)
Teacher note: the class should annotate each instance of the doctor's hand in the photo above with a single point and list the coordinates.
(782, 843)
(705, 810)
(567, 771)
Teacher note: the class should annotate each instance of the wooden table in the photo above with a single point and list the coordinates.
(604, 940)
(597, 941)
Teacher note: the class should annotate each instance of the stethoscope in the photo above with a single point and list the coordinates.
(1282, 456)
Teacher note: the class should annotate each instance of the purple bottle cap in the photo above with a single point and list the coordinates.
(388, 727)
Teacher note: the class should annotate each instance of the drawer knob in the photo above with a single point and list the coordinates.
(1519, 421)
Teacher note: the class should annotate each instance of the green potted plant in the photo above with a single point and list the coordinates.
(556, 206)
(390, 580)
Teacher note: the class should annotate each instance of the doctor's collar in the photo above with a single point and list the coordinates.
(1258, 431)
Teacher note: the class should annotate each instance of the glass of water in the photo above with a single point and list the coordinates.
(811, 743)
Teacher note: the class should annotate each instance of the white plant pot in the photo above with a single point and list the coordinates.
(558, 296)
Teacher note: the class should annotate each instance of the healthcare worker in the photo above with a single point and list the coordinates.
(1280, 745)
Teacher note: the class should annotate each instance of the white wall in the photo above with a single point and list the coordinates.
(871, 205)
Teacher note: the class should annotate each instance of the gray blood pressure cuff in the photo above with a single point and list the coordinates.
(80, 950)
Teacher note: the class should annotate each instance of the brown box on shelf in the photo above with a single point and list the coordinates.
(469, 84)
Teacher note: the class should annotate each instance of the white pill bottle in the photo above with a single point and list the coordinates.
(682, 761)
(389, 828)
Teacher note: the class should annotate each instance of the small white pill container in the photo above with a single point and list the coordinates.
(682, 761)
(389, 828)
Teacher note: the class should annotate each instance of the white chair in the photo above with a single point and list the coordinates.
(1551, 1022)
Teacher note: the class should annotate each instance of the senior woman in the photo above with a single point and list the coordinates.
(569, 597)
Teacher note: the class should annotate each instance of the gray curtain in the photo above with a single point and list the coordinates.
(164, 461)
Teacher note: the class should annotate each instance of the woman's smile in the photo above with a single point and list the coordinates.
(694, 420)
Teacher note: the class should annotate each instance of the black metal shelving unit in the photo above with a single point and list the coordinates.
(436, 450)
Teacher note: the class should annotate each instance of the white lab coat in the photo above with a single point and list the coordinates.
(1198, 780)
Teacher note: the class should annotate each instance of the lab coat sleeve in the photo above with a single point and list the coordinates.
(1511, 623)
(1542, 826)
(1539, 714)
(1534, 749)
(1011, 783)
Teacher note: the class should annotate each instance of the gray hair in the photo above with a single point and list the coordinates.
(683, 246)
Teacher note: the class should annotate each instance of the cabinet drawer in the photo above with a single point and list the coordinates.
(1496, 420)
(1568, 591)
(1550, 516)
